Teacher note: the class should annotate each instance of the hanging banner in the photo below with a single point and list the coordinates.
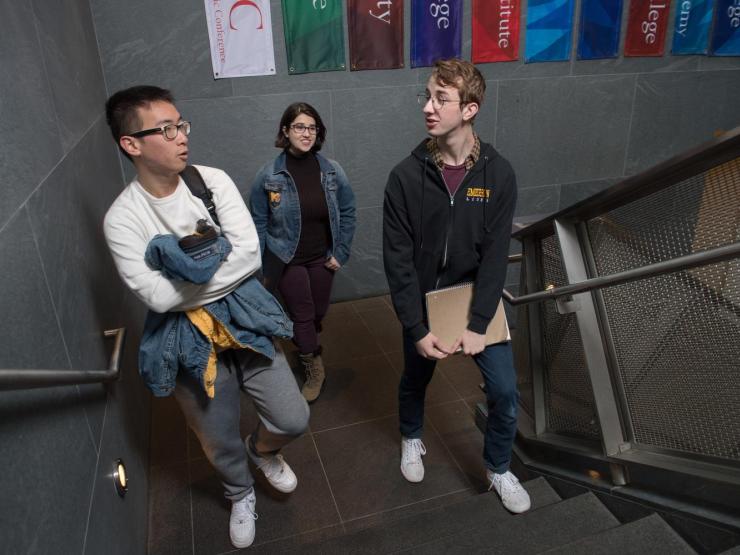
(240, 33)
(314, 38)
(691, 31)
(599, 29)
(549, 24)
(726, 34)
(436, 31)
(495, 30)
(375, 34)
(646, 27)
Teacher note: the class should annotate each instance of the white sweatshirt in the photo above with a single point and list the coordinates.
(136, 216)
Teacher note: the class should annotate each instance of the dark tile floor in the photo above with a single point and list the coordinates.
(347, 463)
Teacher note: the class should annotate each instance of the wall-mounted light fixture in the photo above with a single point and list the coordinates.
(119, 478)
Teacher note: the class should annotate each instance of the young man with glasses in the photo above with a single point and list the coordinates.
(447, 219)
(151, 133)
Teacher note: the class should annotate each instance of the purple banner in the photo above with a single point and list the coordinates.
(436, 31)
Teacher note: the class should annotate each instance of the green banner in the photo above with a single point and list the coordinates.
(314, 36)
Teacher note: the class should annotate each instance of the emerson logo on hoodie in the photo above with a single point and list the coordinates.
(477, 194)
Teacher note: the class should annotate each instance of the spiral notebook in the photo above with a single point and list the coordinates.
(448, 310)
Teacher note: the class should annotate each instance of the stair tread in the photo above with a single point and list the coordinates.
(435, 523)
(732, 551)
(650, 534)
(532, 532)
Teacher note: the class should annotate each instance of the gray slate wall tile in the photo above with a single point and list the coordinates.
(537, 200)
(31, 335)
(29, 134)
(567, 129)
(48, 463)
(677, 111)
(485, 121)
(571, 193)
(71, 59)
(120, 526)
(636, 65)
(363, 276)
(163, 43)
(66, 215)
(714, 63)
(375, 129)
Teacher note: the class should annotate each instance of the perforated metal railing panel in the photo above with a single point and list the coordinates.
(569, 401)
(520, 344)
(677, 336)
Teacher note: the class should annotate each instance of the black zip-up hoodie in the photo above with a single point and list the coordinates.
(432, 240)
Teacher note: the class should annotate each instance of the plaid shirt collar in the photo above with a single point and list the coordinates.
(436, 154)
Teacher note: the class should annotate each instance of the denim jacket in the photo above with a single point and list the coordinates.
(276, 211)
(163, 253)
(171, 343)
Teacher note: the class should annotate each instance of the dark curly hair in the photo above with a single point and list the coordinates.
(289, 115)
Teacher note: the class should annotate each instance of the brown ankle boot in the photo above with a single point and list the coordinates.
(315, 376)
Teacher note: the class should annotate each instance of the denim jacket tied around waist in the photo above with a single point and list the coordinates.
(275, 209)
(171, 344)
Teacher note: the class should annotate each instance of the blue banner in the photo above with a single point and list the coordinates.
(436, 31)
(726, 34)
(549, 24)
(691, 31)
(599, 29)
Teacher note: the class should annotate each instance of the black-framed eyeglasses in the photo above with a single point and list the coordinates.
(169, 131)
(301, 128)
(437, 103)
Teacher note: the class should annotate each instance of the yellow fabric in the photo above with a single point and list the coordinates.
(219, 338)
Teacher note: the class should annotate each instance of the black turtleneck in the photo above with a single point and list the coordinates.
(315, 231)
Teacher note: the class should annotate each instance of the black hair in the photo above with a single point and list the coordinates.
(121, 109)
(289, 115)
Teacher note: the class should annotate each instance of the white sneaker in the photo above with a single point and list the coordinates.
(411, 452)
(275, 469)
(241, 523)
(513, 496)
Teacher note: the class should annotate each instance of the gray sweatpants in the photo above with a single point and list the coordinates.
(282, 410)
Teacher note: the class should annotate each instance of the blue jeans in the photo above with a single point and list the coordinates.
(497, 367)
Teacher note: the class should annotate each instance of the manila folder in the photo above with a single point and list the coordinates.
(448, 311)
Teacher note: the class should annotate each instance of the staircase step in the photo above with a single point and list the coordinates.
(532, 532)
(413, 530)
(650, 534)
(733, 551)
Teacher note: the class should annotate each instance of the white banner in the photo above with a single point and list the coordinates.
(240, 32)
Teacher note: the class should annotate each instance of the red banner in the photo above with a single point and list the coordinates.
(646, 27)
(375, 34)
(495, 30)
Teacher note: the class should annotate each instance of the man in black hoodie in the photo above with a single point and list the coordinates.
(447, 219)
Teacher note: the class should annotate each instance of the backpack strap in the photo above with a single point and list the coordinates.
(192, 178)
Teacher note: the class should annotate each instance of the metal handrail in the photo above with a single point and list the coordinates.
(14, 379)
(694, 260)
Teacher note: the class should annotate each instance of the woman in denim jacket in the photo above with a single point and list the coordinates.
(304, 211)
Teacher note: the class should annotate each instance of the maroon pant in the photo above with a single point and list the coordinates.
(306, 289)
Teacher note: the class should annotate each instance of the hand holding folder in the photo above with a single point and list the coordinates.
(448, 311)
